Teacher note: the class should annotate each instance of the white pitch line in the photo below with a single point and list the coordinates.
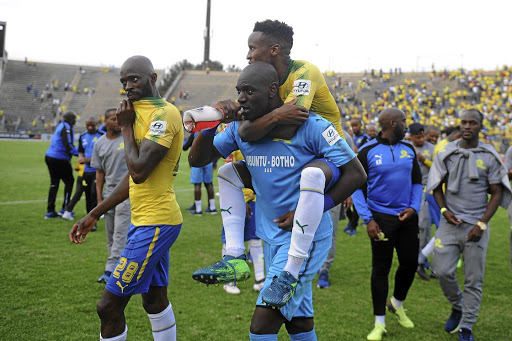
(177, 190)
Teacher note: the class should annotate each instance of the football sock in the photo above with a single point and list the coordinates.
(121, 337)
(306, 336)
(262, 337)
(163, 325)
(232, 209)
(380, 319)
(212, 204)
(308, 215)
(396, 303)
(198, 205)
(256, 250)
(428, 250)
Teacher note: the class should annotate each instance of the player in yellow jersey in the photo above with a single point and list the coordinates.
(153, 136)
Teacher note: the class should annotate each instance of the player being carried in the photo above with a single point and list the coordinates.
(284, 180)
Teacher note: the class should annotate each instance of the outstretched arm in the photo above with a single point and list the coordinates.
(83, 226)
(202, 151)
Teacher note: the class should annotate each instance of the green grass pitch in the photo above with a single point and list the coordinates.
(49, 288)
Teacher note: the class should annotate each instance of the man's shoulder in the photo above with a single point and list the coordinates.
(368, 145)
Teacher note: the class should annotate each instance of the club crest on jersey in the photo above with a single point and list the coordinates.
(157, 128)
(301, 87)
(331, 135)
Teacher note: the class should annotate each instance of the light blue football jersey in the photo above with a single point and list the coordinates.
(276, 165)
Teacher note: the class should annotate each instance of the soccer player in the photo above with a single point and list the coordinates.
(470, 169)
(86, 143)
(389, 209)
(432, 134)
(57, 159)
(424, 153)
(153, 137)
(302, 87)
(109, 162)
(280, 179)
(255, 244)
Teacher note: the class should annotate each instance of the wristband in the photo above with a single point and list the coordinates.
(328, 202)
(443, 209)
(210, 132)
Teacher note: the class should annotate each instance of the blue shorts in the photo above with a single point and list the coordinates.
(276, 256)
(201, 174)
(250, 225)
(145, 260)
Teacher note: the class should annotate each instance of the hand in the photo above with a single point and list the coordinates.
(475, 234)
(420, 158)
(125, 114)
(285, 222)
(373, 229)
(406, 214)
(450, 217)
(81, 159)
(230, 109)
(81, 228)
(348, 203)
(289, 113)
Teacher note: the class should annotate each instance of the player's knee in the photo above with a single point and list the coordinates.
(105, 310)
(312, 176)
(299, 325)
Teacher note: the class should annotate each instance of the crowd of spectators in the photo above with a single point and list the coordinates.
(437, 100)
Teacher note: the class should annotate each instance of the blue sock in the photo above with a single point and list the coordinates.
(262, 337)
(307, 336)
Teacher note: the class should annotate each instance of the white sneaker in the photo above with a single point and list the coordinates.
(257, 286)
(68, 216)
(230, 288)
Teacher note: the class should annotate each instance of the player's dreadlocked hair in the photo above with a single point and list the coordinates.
(276, 32)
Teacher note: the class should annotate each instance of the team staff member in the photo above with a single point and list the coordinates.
(57, 159)
(153, 137)
(470, 169)
(390, 211)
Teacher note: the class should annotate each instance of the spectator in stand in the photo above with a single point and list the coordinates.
(57, 159)
(86, 143)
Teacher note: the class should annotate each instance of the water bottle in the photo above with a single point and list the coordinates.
(198, 119)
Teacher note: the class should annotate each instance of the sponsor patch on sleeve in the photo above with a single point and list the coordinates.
(157, 128)
(302, 87)
(331, 135)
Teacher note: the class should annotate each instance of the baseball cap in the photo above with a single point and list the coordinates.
(416, 129)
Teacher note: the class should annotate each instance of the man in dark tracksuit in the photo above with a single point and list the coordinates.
(390, 210)
(57, 159)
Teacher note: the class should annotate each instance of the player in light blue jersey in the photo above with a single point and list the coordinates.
(288, 190)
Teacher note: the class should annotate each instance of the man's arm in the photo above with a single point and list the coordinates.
(83, 226)
(65, 135)
(288, 113)
(439, 197)
(352, 177)
(496, 191)
(203, 151)
(100, 181)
